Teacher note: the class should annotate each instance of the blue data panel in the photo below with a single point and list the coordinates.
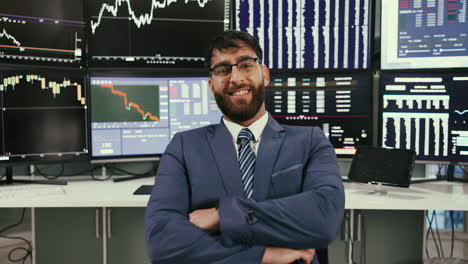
(311, 34)
(427, 113)
(424, 34)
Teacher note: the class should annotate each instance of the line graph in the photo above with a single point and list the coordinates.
(33, 33)
(5, 34)
(140, 20)
(461, 112)
(26, 80)
(153, 32)
(129, 105)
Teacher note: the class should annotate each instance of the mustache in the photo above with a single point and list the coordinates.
(230, 90)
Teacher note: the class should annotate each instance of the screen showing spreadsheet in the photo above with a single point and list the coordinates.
(420, 34)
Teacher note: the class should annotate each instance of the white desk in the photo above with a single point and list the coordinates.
(87, 193)
(78, 193)
(421, 196)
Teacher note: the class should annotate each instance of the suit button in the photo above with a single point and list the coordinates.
(251, 217)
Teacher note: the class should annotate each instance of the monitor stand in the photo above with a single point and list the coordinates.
(450, 177)
(10, 181)
(379, 190)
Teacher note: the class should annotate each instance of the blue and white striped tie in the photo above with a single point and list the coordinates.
(246, 160)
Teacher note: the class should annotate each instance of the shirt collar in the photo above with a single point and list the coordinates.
(256, 127)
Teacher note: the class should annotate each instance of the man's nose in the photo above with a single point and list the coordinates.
(236, 75)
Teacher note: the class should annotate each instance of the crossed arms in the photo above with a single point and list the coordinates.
(285, 227)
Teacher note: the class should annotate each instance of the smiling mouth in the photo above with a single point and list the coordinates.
(240, 92)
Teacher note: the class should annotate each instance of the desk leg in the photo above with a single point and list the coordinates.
(351, 236)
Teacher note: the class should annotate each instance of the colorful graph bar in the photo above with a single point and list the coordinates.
(55, 87)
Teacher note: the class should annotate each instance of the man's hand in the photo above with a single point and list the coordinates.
(285, 255)
(206, 219)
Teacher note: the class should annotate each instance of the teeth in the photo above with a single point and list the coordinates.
(241, 92)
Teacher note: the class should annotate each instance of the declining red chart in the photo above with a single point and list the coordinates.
(130, 105)
(125, 103)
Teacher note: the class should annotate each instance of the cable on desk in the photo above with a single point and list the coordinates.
(438, 236)
(430, 231)
(28, 250)
(84, 172)
(150, 172)
(463, 169)
(453, 234)
(50, 177)
(16, 224)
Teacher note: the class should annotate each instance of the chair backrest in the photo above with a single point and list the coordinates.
(322, 255)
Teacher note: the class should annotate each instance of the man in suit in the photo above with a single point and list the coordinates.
(247, 190)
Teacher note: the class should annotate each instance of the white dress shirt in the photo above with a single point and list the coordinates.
(256, 128)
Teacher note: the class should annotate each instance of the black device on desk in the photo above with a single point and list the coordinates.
(382, 166)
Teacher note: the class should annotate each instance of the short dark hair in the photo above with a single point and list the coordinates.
(230, 39)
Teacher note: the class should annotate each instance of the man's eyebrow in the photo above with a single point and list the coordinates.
(241, 58)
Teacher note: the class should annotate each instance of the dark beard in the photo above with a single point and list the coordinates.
(243, 111)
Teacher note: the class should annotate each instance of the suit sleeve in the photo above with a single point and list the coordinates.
(170, 237)
(310, 219)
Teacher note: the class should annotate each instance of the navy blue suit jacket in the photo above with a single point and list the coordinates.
(298, 196)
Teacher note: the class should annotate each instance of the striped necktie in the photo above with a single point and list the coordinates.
(246, 160)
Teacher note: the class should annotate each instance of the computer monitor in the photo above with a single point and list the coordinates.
(295, 34)
(38, 32)
(426, 112)
(134, 118)
(424, 34)
(44, 116)
(166, 34)
(339, 103)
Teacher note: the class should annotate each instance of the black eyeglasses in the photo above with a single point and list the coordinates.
(245, 66)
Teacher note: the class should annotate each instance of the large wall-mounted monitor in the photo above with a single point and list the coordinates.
(39, 32)
(427, 112)
(424, 34)
(153, 33)
(339, 103)
(134, 118)
(298, 34)
(43, 117)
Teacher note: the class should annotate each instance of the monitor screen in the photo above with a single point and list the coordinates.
(44, 116)
(424, 34)
(153, 33)
(309, 34)
(35, 32)
(339, 103)
(134, 118)
(426, 112)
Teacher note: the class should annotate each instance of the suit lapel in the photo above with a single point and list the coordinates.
(224, 152)
(269, 147)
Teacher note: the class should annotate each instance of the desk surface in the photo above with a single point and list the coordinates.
(86, 193)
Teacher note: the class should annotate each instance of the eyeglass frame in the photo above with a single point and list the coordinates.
(231, 65)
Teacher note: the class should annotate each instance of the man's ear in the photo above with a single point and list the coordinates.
(266, 75)
(210, 84)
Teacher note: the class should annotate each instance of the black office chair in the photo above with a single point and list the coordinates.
(322, 255)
